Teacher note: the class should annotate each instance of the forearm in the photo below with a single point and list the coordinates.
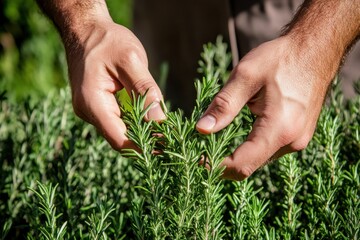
(325, 26)
(74, 18)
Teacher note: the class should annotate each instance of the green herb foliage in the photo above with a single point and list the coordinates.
(60, 180)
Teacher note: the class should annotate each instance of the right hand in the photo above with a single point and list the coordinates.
(282, 85)
(107, 58)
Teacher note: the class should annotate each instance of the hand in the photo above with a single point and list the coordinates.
(285, 88)
(107, 58)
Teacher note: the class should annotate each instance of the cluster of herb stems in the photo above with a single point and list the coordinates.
(66, 183)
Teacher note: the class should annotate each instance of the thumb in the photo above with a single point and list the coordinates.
(227, 103)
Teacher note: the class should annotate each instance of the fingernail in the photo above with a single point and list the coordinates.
(206, 123)
(155, 112)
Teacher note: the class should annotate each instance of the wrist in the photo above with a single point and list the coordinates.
(317, 52)
(76, 19)
(323, 31)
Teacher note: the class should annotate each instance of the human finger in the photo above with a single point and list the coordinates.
(135, 76)
(229, 101)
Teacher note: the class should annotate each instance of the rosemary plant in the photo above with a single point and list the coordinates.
(289, 221)
(190, 211)
(46, 197)
(171, 186)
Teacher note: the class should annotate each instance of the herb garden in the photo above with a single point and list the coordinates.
(60, 179)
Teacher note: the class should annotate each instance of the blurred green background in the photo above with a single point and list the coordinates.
(32, 58)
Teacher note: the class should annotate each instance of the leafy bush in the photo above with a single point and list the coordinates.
(60, 180)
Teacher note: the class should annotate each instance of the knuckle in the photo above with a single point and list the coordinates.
(132, 57)
(142, 86)
(287, 137)
(244, 70)
(300, 144)
(290, 132)
(223, 103)
(295, 136)
(243, 172)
